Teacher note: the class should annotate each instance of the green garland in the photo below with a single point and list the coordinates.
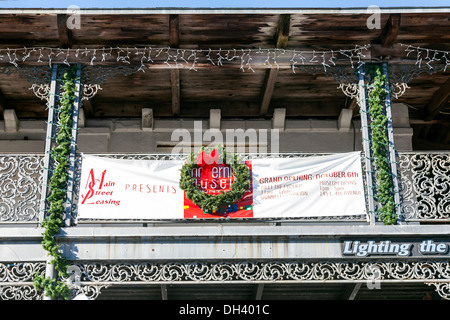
(58, 183)
(380, 149)
(212, 202)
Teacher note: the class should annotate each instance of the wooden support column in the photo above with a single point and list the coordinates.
(214, 119)
(281, 41)
(147, 119)
(174, 41)
(279, 119)
(438, 101)
(11, 120)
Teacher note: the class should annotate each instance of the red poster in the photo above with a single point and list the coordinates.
(219, 179)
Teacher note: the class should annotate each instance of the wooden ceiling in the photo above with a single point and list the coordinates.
(192, 93)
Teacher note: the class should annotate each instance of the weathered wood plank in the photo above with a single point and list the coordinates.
(438, 101)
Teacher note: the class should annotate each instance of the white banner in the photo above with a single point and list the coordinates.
(281, 187)
(130, 189)
(308, 187)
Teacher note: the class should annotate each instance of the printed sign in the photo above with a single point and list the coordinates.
(387, 247)
(130, 189)
(307, 187)
(329, 185)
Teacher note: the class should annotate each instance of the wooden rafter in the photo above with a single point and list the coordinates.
(3, 102)
(438, 101)
(281, 41)
(64, 33)
(174, 41)
(390, 31)
(88, 106)
(282, 34)
(174, 29)
(269, 86)
(354, 106)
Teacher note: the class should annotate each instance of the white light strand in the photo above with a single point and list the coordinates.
(427, 56)
(192, 59)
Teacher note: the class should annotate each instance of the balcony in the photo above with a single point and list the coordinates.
(253, 256)
(130, 100)
(423, 179)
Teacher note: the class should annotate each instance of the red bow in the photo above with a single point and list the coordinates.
(206, 162)
(204, 159)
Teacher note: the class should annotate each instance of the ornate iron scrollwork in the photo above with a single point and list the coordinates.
(401, 75)
(442, 288)
(20, 178)
(16, 279)
(91, 81)
(109, 274)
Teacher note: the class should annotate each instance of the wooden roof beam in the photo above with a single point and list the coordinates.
(88, 106)
(438, 101)
(269, 86)
(283, 28)
(64, 33)
(174, 42)
(390, 31)
(174, 31)
(281, 41)
(3, 102)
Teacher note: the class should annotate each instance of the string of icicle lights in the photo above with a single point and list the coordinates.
(195, 58)
(427, 56)
(185, 58)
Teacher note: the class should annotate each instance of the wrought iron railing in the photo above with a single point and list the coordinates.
(425, 186)
(20, 192)
(424, 180)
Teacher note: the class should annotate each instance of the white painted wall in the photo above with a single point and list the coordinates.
(128, 136)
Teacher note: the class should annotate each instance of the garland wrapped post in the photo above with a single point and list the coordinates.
(55, 288)
(379, 146)
(212, 202)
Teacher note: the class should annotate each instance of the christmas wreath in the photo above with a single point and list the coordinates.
(205, 159)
